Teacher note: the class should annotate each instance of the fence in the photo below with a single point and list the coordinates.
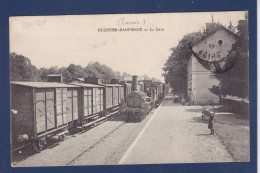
(236, 105)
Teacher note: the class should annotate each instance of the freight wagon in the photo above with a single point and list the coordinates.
(117, 89)
(39, 110)
(90, 102)
(114, 93)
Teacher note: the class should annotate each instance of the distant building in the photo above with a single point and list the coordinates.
(213, 47)
(55, 78)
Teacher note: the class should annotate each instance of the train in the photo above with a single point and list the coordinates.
(41, 110)
(145, 96)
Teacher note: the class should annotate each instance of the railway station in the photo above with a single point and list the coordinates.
(162, 137)
(136, 129)
(193, 107)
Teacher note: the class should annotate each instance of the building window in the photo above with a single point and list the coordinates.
(212, 76)
(220, 42)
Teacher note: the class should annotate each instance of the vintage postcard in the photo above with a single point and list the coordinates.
(123, 89)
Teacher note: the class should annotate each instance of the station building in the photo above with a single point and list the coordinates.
(213, 47)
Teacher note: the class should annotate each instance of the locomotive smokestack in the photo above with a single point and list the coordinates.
(134, 83)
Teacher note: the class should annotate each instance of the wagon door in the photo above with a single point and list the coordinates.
(75, 104)
(87, 102)
(50, 117)
(40, 110)
(115, 96)
(61, 109)
(69, 105)
(96, 108)
(109, 97)
(64, 106)
(101, 96)
(121, 94)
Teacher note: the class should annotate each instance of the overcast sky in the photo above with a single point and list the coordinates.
(61, 40)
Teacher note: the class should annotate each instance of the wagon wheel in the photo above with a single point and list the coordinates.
(130, 116)
(127, 117)
(143, 115)
(37, 145)
(139, 116)
(135, 115)
(62, 137)
(203, 117)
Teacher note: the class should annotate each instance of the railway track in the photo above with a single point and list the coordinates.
(117, 132)
(111, 148)
(79, 155)
(27, 151)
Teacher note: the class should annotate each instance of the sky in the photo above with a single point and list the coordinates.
(76, 39)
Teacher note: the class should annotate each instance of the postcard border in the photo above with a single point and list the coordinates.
(67, 7)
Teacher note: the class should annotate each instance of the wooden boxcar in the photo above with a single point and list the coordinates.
(114, 93)
(127, 89)
(90, 102)
(39, 109)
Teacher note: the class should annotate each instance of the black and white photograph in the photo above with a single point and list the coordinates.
(129, 89)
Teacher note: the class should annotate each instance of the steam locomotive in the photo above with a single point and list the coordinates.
(144, 97)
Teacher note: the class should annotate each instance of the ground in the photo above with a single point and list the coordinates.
(172, 133)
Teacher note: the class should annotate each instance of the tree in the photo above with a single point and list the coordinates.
(53, 70)
(175, 68)
(65, 74)
(42, 74)
(21, 68)
(92, 71)
(98, 70)
(235, 82)
(76, 71)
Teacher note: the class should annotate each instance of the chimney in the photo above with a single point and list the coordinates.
(210, 27)
(55, 78)
(134, 83)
